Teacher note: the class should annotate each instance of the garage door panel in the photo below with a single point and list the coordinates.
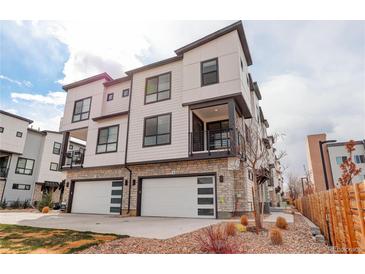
(97, 197)
(178, 197)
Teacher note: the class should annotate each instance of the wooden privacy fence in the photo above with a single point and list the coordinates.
(339, 214)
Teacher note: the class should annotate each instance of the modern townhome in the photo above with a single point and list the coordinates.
(324, 167)
(28, 161)
(167, 139)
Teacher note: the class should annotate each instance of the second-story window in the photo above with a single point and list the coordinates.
(56, 148)
(125, 92)
(359, 159)
(81, 110)
(209, 72)
(110, 96)
(1, 129)
(157, 130)
(107, 139)
(158, 88)
(53, 166)
(24, 166)
(19, 134)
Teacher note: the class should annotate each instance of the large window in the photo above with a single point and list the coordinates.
(158, 88)
(21, 186)
(56, 148)
(359, 159)
(157, 130)
(24, 166)
(81, 110)
(107, 139)
(209, 72)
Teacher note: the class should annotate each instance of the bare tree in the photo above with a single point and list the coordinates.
(257, 156)
(348, 167)
(293, 186)
(309, 185)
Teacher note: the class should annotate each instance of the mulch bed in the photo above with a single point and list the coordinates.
(297, 239)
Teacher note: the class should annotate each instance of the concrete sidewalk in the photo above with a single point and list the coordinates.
(146, 227)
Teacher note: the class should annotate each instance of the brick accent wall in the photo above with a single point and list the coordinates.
(232, 193)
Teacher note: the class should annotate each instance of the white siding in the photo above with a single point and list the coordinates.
(8, 140)
(47, 156)
(104, 159)
(179, 138)
(119, 103)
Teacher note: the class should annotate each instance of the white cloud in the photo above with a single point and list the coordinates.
(19, 83)
(56, 98)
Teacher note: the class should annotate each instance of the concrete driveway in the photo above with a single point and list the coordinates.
(147, 227)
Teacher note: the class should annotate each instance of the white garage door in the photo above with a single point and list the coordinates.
(192, 197)
(98, 197)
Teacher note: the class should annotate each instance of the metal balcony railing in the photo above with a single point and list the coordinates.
(229, 140)
(74, 158)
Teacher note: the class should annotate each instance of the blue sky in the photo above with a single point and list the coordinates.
(311, 73)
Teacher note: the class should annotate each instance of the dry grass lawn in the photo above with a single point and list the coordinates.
(16, 239)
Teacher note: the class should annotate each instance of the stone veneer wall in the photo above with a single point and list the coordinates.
(231, 193)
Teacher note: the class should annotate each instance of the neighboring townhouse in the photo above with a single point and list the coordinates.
(337, 154)
(28, 160)
(168, 139)
(334, 153)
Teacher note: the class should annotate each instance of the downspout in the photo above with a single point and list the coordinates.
(126, 147)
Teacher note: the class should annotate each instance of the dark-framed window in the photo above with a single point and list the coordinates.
(81, 110)
(209, 72)
(125, 92)
(110, 96)
(1, 129)
(107, 139)
(158, 88)
(157, 130)
(21, 187)
(218, 136)
(19, 134)
(340, 159)
(24, 166)
(359, 159)
(56, 148)
(53, 166)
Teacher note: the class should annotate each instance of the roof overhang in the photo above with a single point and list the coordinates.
(238, 26)
(91, 79)
(117, 81)
(257, 90)
(16, 116)
(156, 64)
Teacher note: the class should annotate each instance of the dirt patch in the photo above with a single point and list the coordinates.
(296, 239)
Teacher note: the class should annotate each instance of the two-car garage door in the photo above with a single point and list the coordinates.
(192, 197)
(97, 197)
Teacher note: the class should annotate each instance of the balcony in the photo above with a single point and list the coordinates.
(212, 134)
(74, 158)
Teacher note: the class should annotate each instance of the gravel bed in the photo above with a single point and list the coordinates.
(297, 239)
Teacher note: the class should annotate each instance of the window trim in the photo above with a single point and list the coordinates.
(97, 141)
(16, 167)
(50, 166)
(144, 130)
(54, 143)
(126, 89)
(26, 187)
(73, 112)
(110, 96)
(201, 72)
(157, 76)
(19, 134)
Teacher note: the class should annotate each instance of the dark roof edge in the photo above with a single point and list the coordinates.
(16, 116)
(117, 81)
(344, 143)
(155, 64)
(110, 115)
(88, 80)
(257, 90)
(235, 26)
